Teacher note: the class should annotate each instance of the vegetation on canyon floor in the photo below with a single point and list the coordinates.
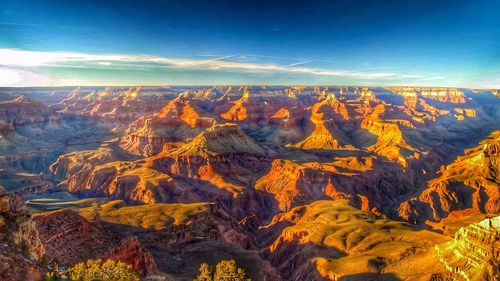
(96, 269)
(226, 270)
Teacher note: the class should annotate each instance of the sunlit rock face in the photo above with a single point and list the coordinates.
(470, 183)
(218, 164)
(326, 135)
(302, 180)
(179, 119)
(112, 105)
(390, 140)
(20, 247)
(234, 143)
(474, 253)
(330, 240)
(366, 181)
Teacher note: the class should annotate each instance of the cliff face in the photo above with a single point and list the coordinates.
(474, 253)
(21, 110)
(69, 238)
(449, 95)
(20, 247)
(469, 183)
(179, 119)
(110, 105)
(390, 140)
(366, 181)
(219, 164)
(325, 115)
(195, 154)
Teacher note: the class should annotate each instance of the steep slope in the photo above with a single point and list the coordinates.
(23, 110)
(390, 141)
(220, 139)
(471, 183)
(366, 181)
(474, 253)
(219, 164)
(20, 248)
(70, 238)
(326, 135)
(180, 119)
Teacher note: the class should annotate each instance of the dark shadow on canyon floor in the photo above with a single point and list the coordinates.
(370, 277)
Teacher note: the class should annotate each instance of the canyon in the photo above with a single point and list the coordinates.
(294, 183)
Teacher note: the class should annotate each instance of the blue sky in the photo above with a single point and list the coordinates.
(442, 43)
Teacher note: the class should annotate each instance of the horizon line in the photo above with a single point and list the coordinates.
(254, 85)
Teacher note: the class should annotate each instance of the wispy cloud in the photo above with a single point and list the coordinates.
(33, 60)
(221, 58)
(298, 63)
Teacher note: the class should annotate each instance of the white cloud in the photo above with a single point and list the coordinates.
(31, 60)
(8, 77)
(15, 77)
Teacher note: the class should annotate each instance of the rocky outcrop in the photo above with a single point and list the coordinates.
(469, 183)
(474, 253)
(390, 141)
(220, 164)
(111, 105)
(330, 240)
(19, 228)
(365, 181)
(450, 95)
(69, 238)
(220, 139)
(178, 120)
(22, 110)
(20, 246)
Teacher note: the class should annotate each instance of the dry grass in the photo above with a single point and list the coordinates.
(370, 244)
(146, 216)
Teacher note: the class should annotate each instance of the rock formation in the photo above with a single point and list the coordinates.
(69, 238)
(23, 110)
(353, 178)
(20, 247)
(179, 119)
(112, 106)
(474, 253)
(469, 183)
(253, 155)
(330, 240)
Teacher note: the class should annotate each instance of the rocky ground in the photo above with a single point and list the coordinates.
(294, 183)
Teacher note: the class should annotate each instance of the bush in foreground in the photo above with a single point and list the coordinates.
(226, 270)
(98, 269)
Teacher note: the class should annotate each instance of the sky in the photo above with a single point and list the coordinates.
(349, 42)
